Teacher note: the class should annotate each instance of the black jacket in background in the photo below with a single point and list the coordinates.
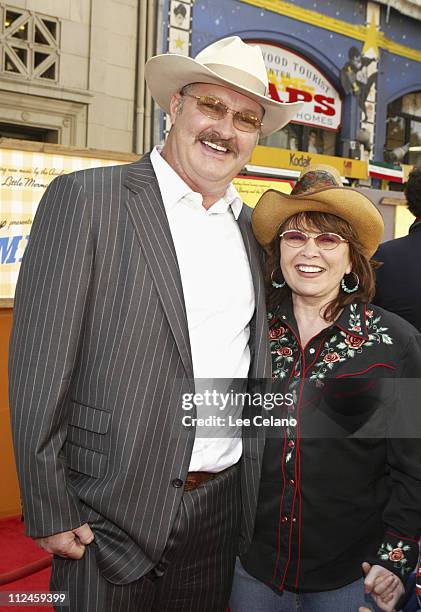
(398, 285)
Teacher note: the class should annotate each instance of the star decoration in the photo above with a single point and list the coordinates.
(372, 38)
(179, 44)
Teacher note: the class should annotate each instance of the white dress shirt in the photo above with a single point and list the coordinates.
(219, 297)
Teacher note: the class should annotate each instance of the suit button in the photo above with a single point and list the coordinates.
(177, 483)
(284, 518)
(292, 483)
(159, 570)
(291, 443)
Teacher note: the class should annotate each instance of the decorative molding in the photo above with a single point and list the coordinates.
(58, 149)
(29, 44)
(47, 90)
(68, 118)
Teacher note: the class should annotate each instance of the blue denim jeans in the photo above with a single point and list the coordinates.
(252, 595)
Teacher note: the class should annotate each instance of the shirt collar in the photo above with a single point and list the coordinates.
(174, 189)
(352, 320)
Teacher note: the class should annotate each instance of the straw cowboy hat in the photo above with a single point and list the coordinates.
(228, 62)
(319, 188)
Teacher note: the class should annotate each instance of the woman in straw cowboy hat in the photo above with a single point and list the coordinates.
(338, 515)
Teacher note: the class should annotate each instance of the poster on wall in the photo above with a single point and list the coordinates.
(180, 15)
(24, 176)
(293, 78)
(251, 188)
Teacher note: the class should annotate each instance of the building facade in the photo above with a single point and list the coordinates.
(71, 72)
(356, 65)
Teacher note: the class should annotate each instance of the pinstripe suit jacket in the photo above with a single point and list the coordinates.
(99, 359)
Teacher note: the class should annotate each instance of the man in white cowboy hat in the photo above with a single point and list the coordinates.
(151, 280)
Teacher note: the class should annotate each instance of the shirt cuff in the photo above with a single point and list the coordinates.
(398, 554)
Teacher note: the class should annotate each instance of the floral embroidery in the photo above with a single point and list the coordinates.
(282, 354)
(338, 348)
(285, 351)
(354, 342)
(354, 319)
(396, 555)
(343, 346)
(276, 332)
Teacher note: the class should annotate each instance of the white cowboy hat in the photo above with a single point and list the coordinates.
(228, 62)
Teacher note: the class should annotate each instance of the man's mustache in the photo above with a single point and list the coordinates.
(215, 138)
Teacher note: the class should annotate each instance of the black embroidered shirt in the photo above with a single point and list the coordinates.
(343, 485)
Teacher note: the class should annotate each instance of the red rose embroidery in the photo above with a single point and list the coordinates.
(356, 328)
(277, 332)
(396, 554)
(331, 357)
(369, 313)
(354, 342)
(285, 351)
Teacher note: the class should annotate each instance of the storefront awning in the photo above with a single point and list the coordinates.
(273, 157)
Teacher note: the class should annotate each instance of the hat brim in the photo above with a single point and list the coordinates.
(167, 74)
(274, 207)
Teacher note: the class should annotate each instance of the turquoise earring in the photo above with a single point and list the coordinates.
(345, 286)
(275, 284)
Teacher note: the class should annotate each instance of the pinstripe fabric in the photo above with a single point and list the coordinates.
(99, 359)
(196, 569)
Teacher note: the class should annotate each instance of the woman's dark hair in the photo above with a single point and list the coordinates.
(361, 265)
(413, 191)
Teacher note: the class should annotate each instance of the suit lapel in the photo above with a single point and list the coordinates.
(259, 345)
(147, 212)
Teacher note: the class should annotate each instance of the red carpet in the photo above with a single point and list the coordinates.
(16, 552)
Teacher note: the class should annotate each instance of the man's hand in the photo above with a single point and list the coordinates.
(384, 587)
(69, 544)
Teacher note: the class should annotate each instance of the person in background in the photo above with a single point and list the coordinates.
(137, 280)
(397, 286)
(312, 142)
(338, 517)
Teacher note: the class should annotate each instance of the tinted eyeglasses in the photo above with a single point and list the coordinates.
(214, 108)
(327, 241)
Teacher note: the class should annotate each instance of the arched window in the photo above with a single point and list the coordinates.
(403, 134)
(293, 77)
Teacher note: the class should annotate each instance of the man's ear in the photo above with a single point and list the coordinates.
(175, 102)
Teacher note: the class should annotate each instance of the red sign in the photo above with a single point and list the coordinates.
(293, 78)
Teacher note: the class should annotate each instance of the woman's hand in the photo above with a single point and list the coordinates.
(384, 587)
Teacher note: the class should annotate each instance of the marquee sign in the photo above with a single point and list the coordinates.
(293, 78)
